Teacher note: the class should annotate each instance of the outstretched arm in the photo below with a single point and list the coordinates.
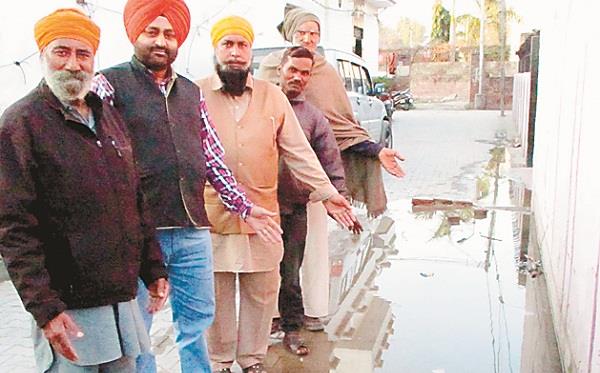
(222, 179)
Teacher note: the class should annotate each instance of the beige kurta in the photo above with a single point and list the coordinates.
(255, 130)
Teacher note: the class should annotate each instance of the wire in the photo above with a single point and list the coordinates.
(332, 9)
(91, 8)
(487, 282)
(19, 64)
(196, 28)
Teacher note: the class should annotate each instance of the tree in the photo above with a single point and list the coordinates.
(468, 25)
(406, 33)
(467, 33)
(440, 29)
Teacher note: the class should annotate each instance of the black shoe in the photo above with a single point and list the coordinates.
(224, 370)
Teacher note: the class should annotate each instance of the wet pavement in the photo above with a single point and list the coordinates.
(444, 285)
(433, 286)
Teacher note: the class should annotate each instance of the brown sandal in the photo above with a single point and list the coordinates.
(294, 343)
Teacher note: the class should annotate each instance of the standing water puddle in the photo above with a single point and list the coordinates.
(447, 293)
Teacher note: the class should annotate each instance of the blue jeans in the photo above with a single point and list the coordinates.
(188, 256)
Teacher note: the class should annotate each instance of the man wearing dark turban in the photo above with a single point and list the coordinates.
(73, 232)
(177, 150)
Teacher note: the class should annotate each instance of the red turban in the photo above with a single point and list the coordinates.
(139, 14)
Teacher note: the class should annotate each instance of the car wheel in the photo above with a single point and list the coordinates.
(387, 137)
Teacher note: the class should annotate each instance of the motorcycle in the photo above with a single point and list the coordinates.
(385, 97)
(403, 100)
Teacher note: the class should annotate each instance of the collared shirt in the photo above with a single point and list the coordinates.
(217, 173)
(90, 122)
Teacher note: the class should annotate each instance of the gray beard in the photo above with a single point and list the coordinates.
(68, 86)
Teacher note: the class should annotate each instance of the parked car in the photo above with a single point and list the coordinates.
(368, 109)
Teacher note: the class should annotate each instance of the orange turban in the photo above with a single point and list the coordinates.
(232, 25)
(139, 14)
(67, 23)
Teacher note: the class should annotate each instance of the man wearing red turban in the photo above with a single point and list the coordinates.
(139, 14)
(177, 151)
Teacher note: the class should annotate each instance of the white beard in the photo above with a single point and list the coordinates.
(67, 86)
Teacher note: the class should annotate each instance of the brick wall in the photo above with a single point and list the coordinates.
(434, 81)
(492, 83)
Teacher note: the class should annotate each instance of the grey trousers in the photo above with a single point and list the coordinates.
(125, 364)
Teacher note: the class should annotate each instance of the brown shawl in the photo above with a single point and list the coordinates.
(326, 91)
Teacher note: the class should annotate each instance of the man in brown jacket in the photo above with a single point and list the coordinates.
(73, 229)
(257, 127)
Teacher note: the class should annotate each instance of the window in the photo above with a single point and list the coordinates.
(367, 81)
(358, 81)
(346, 73)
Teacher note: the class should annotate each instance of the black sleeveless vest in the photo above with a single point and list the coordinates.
(165, 132)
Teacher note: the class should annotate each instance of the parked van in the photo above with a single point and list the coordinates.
(369, 110)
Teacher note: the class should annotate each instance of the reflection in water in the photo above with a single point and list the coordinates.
(444, 275)
(362, 321)
(453, 288)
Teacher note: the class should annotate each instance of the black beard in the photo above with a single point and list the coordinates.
(234, 80)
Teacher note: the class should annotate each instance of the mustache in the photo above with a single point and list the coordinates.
(65, 76)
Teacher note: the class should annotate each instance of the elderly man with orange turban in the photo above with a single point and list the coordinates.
(73, 231)
(177, 151)
(258, 128)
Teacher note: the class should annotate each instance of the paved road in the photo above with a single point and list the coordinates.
(444, 150)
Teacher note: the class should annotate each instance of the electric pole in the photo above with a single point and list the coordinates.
(480, 97)
(453, 33)
(502, 54)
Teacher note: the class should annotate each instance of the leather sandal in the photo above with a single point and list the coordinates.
(256, 368)
(294, 344)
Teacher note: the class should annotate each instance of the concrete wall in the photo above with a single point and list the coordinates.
(520, 108)
(566, 181)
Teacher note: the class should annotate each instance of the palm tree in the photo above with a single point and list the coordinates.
(468, 25)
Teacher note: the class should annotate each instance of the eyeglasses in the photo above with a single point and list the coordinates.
(312, 34)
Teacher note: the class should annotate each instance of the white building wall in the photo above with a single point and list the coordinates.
(371, 41)
(566, 191)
